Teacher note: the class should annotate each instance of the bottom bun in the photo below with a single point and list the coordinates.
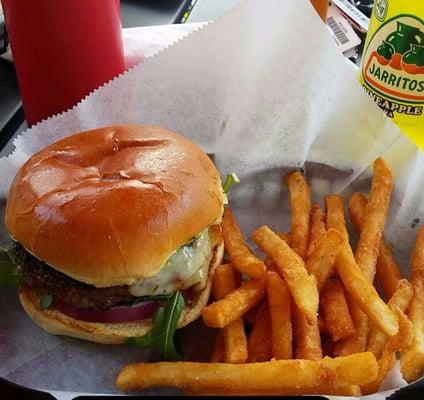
(57, 323)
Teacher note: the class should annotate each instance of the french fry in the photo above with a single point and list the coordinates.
(219, 349)
(317, 226)
(321, 322)
(302, 286)
(307, 337)
(224, 281)
(336, 311)
(357, 205)
(349, 390)
(374, 219)
(221, 285)
(241, 256)
(300, 204)
(400, 300)
(388, 358)
(412, 359)
(356, 343)
(387, 268)
(268, 262)
(320, 262)
(286, 237)
(250, 316)
(279, 302)
(361, 291)
(259, 342)
(235, 341)
(335, 218)
(235, 304)
(364, 294)
(277, 376)
(388, 271)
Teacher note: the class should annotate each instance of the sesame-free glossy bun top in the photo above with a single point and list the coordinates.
(109, 206)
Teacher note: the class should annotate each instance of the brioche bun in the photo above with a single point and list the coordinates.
(107, 207)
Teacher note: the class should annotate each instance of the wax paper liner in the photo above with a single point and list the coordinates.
(265, 90)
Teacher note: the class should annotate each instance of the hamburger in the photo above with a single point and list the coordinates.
(108, 224)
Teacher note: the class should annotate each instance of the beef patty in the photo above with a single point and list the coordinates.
(40, 276)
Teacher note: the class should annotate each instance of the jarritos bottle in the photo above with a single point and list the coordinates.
(392, 69)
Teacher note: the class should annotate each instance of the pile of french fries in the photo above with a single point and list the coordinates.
(307, 319)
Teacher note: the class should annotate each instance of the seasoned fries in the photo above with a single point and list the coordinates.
(241, 256)
(307, 335)
(317, 226)
(235, 342)
(399, 301)
(223, 281)
(321, 322)
(388, 358)
(235, 304)
(259, 343)
(289, 376)
(358, 341)
(300, 204)
(387, 268)
(364, 294)
(321, 261)
(250, 316)
(349, 390)
(301, 285)
(335, 218)
(374, 219)
(355, 282)
(279, 301)
(412, 359)
(336, 311)
(285, 236)
(315, 322)
(218, 352)
(357, 205)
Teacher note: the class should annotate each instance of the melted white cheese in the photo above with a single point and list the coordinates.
(188, 266)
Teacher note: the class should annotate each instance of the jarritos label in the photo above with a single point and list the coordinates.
(393, 66)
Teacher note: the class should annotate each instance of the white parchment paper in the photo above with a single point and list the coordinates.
(265, 89)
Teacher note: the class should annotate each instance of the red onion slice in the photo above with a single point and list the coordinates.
(142, 310)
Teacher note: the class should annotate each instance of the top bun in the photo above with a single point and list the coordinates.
(109, 206)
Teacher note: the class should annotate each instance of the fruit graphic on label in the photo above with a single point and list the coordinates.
(398, 43)
(385, 53)
(413, 60)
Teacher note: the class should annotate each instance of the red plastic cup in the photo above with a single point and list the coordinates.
(62, 50)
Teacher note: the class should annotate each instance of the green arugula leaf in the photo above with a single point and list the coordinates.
(45, 301)
(230, 180)
(9, 270)
(165, 321)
